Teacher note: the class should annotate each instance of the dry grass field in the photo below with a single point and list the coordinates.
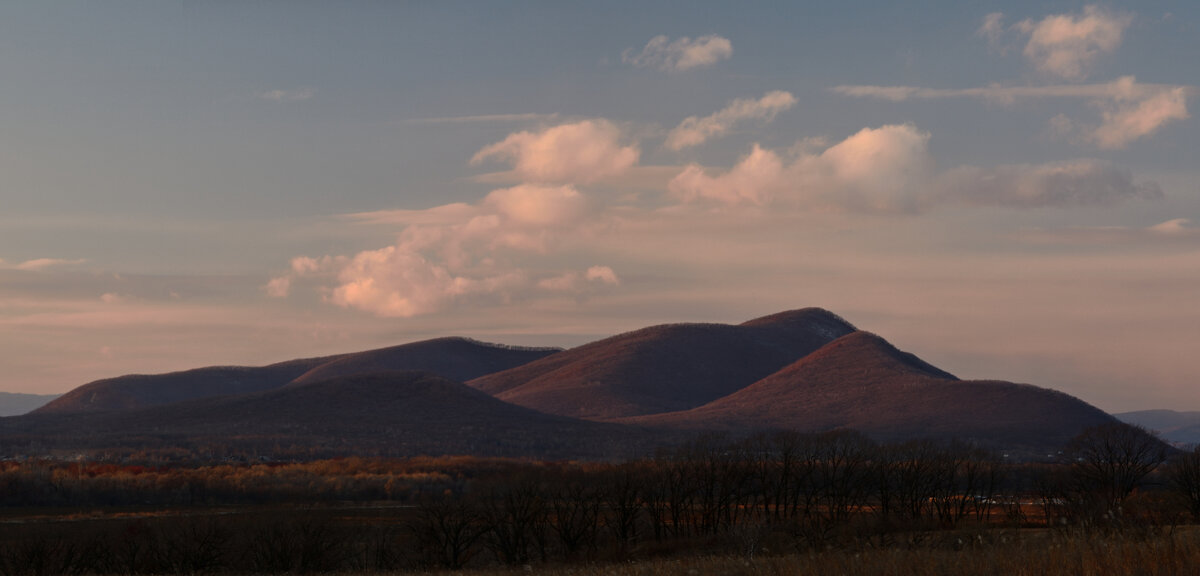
(1026, 553)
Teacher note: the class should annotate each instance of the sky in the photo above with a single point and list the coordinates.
(1008, 190)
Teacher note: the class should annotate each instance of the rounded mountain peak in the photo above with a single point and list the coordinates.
(816, 320)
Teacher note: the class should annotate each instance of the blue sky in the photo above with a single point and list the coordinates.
(1008, 190)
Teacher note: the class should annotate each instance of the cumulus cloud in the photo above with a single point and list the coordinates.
(1067, 45)
(539, 206)
(680, 54)
(694, 130)
(890, 170)
(296, 95)
(580, 152)
(395, 282)
(754, 180)
(875, 170)
(458, 255)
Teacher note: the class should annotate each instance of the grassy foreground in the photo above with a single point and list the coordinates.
(1041, 555)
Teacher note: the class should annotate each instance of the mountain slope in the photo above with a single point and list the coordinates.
(458, 359)
(142, 390)
(861, 381)
(454, 358)
(378, 414)
(663, 368)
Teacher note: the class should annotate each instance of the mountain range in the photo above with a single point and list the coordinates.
(805, 369)
(1181, 428)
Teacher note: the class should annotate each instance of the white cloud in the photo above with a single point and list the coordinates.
(580, 152)
(1125, 122)
(111, 298)
(694, 130)
(1067, 45)
(889, 170)
(296, 95)
(681, 54)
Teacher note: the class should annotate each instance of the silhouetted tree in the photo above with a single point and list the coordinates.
(446, 530)
(1183, 473)
(515, 514)
(1108, 462)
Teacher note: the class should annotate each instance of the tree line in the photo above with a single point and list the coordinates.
(769, 493)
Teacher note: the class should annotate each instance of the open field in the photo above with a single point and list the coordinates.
(1030, 553)
(372, 540)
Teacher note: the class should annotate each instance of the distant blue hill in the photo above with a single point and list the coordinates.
(1173, 426)
(13, 404)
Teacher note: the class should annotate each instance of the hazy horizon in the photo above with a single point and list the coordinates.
(1008, 191)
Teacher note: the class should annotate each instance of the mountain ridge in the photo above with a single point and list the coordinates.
(806, 369)
(663, 368)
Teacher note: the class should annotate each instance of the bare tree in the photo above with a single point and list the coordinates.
(1184, 475)
(1109, 461)
(516, 517)
(575, 510)
(447, 530)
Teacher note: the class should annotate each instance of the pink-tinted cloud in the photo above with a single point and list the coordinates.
(480, 254)
(40, 264)
(756, 179)
(1175, 227)
(279, 287)
(890, 170)
(694, 130)
(580, 153)
(579, 283)
(538, 206)
(680, 54)
(1124, 123)
(875, 170)
(1067, 45)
